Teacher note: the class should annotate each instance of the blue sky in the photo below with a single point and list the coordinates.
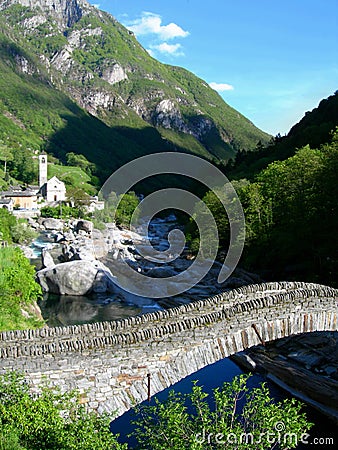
(272, 60)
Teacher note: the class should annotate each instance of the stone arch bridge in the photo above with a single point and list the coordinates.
(109, 362)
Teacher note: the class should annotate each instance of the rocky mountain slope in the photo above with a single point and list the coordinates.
(73, 79)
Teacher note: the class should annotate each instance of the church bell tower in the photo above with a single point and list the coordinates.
(42, 170)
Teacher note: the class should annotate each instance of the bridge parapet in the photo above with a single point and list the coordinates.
(149, 326)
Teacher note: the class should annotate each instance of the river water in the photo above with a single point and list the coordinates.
(69, 310)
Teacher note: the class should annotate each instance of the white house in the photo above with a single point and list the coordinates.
(95, 204)
(7, 203)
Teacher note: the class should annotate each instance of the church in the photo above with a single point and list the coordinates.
(52, 190)
(49, 192)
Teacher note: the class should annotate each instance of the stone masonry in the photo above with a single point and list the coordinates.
(109, 362)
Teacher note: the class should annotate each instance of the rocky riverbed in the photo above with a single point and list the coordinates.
(85, 260)
(304, 365)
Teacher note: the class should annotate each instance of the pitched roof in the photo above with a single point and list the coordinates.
(5, 201)
(26, 193)
(55, 180)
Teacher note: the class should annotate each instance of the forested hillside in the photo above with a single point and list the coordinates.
(314, 129)
(291, 214)
(73, 79)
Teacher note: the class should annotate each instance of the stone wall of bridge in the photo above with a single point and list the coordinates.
(109, 362)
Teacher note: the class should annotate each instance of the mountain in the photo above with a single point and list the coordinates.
(314, 129)
(73, 79)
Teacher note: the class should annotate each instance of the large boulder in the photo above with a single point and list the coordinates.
(84, 225)
(76, 278)
(52, 224)
(83, 253)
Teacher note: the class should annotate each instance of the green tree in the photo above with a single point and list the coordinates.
(74, 159)
(78, 196)
(118, 209)
(7, 222)
(220, 202)
(18, 291)
(22, 167)
(258, 210)
(126, 207)
(239, 419)
(5, 155)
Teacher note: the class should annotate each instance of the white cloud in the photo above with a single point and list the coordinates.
(221, 87)
(96, 5)
(150, 23)
(169, 49)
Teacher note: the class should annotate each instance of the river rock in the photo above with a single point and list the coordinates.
(162, 272)
(47, 259)
(33, 223)
(76, 278)
(84, 225)
(52, 224)
(84, 254)
(27, 251)
(69, 236)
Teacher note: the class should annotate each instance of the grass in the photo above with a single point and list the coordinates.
(74, 176)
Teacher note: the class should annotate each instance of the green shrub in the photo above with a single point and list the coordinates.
(7, 222)
(50, 420)
(22, 233)
(18, 290)
(13, 230)
(186, 421)
(62, 212)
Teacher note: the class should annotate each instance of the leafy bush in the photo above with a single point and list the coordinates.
(18, 290)
(186, 421)
(7, 223)
(51, 420)
(22, 233)
(117, 209)
(13, 230)
(62, 212)
(9, 440)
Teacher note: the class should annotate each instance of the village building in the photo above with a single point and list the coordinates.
(32, 197)
(95, 204)
(49, 192)
(53, 191)
(20, 198)
(7, 203)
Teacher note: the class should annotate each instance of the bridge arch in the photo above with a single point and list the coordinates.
(109, 362)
